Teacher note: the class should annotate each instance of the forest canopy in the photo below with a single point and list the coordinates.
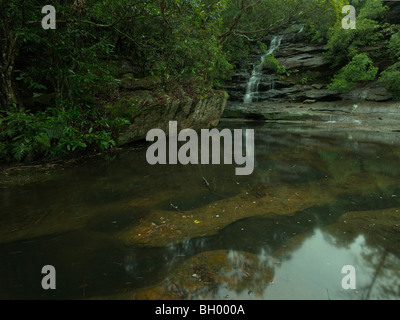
(174, 41)
(169, 38)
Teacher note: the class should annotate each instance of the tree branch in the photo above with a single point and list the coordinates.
(224, 37)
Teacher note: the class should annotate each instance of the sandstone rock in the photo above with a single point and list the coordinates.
(149, 113)
(375, 91)
(294, 49)
(306, 60)
(322, 94)
(379, 94)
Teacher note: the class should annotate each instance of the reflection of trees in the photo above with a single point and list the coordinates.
(385, 280)
(379, 263)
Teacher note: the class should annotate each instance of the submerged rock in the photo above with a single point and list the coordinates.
(377, 226)
(208, 274)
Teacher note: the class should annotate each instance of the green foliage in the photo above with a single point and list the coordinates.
(345, 48)
(391, 76)
(328, 13)
(24, 135)
(172, 40)
(370, 9)
(272, 64)
(70, 61)
(308, 76)
(358, 70)
(344, 44)
(394, 45)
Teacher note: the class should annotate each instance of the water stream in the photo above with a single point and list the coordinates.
(257, 74)
(111, 227)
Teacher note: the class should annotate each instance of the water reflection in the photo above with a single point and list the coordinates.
(307, 267)
(124, 229)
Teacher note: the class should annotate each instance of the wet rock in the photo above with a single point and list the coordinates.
(299, 173)
(207, 274)
(284, 199)
(377, 226)
(322, 94)
(113, 221)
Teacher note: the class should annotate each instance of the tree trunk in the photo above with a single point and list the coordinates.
(7, 79)
(8, 49)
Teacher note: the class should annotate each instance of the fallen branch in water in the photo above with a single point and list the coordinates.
(41, 218)
(211, 190)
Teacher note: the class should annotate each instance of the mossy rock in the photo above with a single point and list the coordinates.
(130, 105)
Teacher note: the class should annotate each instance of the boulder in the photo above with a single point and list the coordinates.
(150, 112)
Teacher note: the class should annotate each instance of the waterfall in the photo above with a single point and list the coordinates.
(254, 81)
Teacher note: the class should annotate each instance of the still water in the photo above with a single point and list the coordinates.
(117, 228)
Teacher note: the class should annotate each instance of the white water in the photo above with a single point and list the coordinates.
(254, 81)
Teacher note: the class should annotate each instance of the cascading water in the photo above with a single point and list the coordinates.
(254, 81)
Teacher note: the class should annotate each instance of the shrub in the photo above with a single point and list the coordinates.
(272, 65)
(24, 135)
(392, 78)
(394, 45)
(360, 69)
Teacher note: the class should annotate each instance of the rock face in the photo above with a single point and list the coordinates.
(301, 55)
(366, 120)
(148, 112)
(374, 91)
(147, 105)
(307, 78)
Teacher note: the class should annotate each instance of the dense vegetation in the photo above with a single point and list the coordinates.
(354, 52)
(56, 84)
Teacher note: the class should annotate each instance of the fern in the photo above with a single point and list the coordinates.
(43, 139)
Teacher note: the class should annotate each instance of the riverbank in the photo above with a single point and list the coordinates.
(367, 121)
(120, 228)
(361, 121)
